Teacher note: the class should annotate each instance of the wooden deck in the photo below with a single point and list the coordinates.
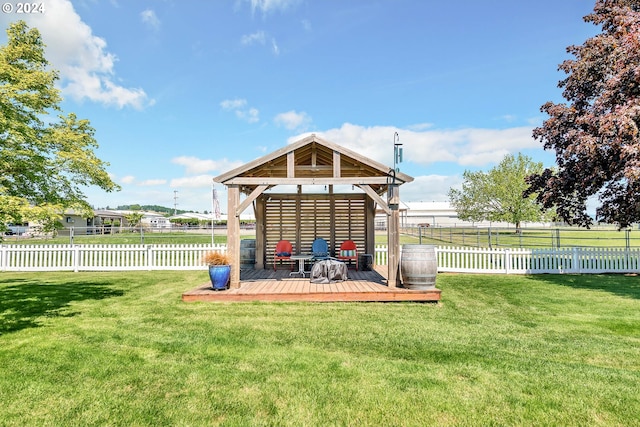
(267, 285)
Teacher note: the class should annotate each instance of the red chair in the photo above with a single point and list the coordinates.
(348, 252)
(283, 252)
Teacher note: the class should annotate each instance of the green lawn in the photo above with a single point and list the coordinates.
(122, 349)
(132, 238)
(474, 237)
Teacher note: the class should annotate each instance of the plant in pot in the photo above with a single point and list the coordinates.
(219, 269)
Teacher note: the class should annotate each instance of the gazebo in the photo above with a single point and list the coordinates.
(301, 217)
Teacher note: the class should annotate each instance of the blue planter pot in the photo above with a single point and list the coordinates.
(219, 275)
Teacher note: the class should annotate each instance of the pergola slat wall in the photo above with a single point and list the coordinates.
(303, 218)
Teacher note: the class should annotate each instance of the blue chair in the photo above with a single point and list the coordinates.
(320, 249)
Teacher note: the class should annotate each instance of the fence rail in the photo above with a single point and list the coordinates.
(538, 261)
(104, 257)
(539, 238)
(189, 257)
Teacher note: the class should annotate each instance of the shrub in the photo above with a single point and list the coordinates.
(215, 258)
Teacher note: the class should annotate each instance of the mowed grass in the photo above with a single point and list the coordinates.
(444, 236)
(122, 349)
(130, 238)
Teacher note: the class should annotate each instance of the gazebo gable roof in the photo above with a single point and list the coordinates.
(312, 160)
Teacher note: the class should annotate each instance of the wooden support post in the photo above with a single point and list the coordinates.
(233, 234)
(298, 241)
(260, 233)
(332, 219)
(370, 226)
(393, 236)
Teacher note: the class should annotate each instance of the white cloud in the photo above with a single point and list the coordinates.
(87, 68)
(267, 6)
(428, 188)
(197, 181)
(232, 104)
(152, 182)
(257, 37)
(250, 115)
(195, 166)
(150, 18)
(466, 147)
(260, 37)
(129, 179)
(293, 120)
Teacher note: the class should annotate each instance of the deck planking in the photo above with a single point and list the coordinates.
(267, 285)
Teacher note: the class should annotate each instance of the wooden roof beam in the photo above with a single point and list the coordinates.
(250, 198)
(291, 164)
(375, 180)
(336, 164)
(371, 193)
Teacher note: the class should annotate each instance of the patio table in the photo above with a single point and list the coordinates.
(301, 259)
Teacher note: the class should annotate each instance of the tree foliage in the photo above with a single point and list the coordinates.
(134, 218)
(497, 195)
(45, 161)
(595, 134)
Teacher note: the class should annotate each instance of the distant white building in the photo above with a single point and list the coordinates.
(247, 216)
(191, 215)
(155, 220)
(437, 214)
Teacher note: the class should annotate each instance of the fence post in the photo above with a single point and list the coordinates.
(627, 238)
(3, 258)
(575, 261)
(150, 257)
(76, 258)
(507, 261)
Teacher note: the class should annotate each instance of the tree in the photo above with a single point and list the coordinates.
(44, 162)
(134, 218)
(497, 194)
(595, 134)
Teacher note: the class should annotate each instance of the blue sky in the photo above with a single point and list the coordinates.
(182, 91)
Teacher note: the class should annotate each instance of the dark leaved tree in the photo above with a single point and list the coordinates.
(595, 134)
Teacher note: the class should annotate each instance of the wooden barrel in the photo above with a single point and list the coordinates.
(418, 266)
(247, 253)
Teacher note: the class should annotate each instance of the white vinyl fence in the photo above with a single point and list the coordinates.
(104, 257)
(538, 261)
(188, 257)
